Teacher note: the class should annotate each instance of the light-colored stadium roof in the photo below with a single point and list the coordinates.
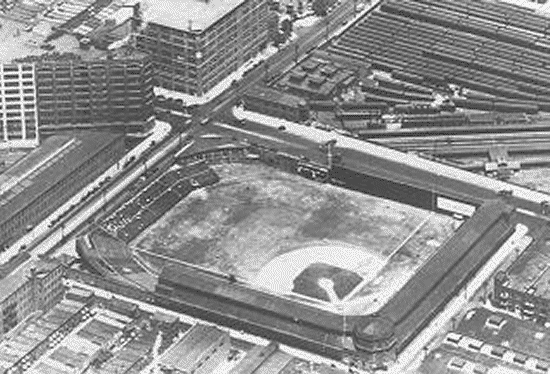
(180, 14)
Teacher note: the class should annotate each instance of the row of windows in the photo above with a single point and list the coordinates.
(11, 69)
(18, 83)
(17, 98)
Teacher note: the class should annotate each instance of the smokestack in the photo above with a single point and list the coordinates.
(190, 25)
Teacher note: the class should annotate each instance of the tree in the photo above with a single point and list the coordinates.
(286, 28)
(300, 7)
(320, 7)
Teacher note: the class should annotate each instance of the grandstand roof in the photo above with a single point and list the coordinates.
(184, 14)
(191, 348)
(45, 166)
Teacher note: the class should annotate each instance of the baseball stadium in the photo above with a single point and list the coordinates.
(322, 259)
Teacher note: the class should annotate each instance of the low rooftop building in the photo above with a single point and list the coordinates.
(199, 351)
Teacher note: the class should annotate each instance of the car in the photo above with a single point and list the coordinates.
(281, 128)
(506, 192)
(47, 47)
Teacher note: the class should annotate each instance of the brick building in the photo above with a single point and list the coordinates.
(36, 285)
(37, 185)
(276, 104)
(196, 44)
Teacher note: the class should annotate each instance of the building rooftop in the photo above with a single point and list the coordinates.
(531, 272)
(275, 96)
(48, 164)
(503, 330)
(17, 278)
(316, 78)
(196, 15)
(191, 347)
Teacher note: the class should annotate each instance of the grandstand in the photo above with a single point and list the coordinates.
(156, 199)
(496, 52)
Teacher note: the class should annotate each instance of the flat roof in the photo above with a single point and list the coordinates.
(78, 148)
(521, 336)
(191, 347)
(530, 273)
(180, 14)
(276, 96)
(17, 278)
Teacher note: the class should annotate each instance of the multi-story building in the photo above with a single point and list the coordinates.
(276, 104)
(524, 286)
(47, 177)
(196, 44)
(36, 285)
(18, 119)
(95, 93)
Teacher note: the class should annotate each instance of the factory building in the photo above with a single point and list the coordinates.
(113, 93)
(274, 103)
(18, 118)
(199, 351)
(37, 285)
(34, 187)
(196, 44)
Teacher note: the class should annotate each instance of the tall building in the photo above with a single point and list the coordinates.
(36, 285)
(18, 114)
(93, 93)
(196, 44)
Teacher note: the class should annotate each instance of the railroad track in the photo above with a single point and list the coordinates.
(471, 144)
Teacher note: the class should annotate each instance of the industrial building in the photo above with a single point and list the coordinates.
(18, 112)
(276, 104)
(37, 285)
(317, 79)
(196, 44)
(484, 341)
(113, 93)
(199, 351)
(34, 187)
(527, 295)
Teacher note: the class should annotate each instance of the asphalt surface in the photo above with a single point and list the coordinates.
(277, 63)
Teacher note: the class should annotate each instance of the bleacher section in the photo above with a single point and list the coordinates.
(159, 197)
(497, 50)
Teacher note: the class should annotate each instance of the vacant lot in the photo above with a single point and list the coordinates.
(260, 224)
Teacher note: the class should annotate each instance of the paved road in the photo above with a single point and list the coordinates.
(377, 160)
(278, 62)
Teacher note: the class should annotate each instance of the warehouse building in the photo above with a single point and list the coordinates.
(18, 118)
(199, 351)
(317, 79)
(36, 285)
(196, 44)
(277, 104)
(47, 177)
(112, 93)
